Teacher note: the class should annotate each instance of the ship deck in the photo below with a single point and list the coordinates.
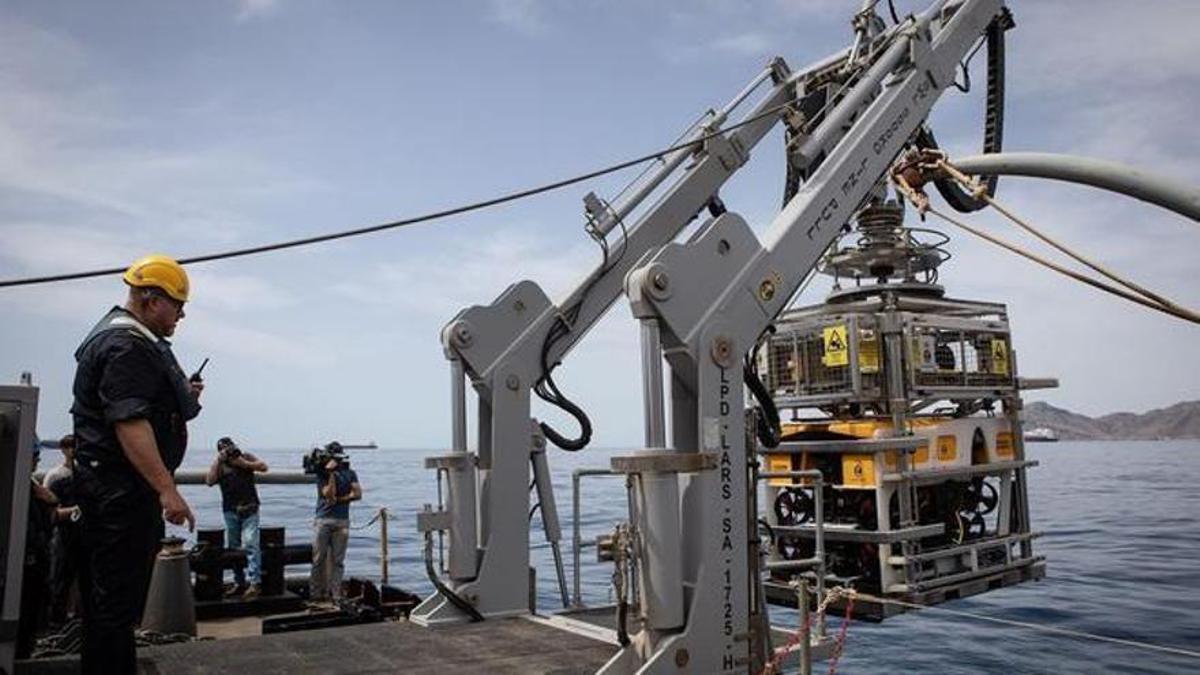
(516, 645)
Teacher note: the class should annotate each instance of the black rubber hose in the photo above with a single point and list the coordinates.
(585, 427)
(450, 595)
(769, 433)
(548, 391)
(622, 622)
(993, 125)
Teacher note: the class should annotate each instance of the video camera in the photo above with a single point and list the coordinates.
(228, 449)
(314, 462)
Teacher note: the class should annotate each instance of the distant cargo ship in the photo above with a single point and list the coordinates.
(1041, 435)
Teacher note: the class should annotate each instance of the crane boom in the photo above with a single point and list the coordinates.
(703, 304)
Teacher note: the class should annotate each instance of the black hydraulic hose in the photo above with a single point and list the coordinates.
(768, 429)
(585, 426)
(548, 391)
(450, 595)
(622, 622)
(993, 125)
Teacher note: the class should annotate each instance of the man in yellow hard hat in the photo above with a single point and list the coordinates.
(132, 404)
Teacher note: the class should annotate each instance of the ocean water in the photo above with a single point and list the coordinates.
(1121, 538)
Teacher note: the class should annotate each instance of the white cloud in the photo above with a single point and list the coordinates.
(65, 140)
(217, 334)
(253, 9)
(750, 44)
(525, 16)
(470, 271)
(1100, 47)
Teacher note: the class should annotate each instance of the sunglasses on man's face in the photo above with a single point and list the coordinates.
(171, 301)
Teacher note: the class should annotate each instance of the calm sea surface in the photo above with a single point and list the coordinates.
(1122, 542)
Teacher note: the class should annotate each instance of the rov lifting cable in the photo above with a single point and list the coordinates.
(696, 143)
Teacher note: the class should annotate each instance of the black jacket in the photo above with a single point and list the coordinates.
(124, 372)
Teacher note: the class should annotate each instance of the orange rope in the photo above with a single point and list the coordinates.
(840, 643)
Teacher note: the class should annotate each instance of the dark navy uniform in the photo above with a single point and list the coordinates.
(124, 373)
(34, 587)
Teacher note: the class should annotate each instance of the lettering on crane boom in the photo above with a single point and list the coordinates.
(727, 585)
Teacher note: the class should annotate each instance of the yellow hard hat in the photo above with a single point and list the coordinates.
(159, 271)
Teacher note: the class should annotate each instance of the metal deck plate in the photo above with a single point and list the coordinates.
(497, 646)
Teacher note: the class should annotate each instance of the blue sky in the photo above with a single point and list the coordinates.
(193, 127)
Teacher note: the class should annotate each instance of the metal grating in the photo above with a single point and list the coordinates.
(814, 359)
(946, 358)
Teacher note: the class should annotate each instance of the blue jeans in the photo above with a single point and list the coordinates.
(242, 532)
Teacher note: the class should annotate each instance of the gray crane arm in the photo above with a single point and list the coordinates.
(728, 272)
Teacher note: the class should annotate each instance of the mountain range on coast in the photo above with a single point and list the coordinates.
(1178, 421)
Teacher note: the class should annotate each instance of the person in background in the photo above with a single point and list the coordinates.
(131, 409)
(44, 511)
(64, 545)
(337, 486)
(66, 445)
(234, 471)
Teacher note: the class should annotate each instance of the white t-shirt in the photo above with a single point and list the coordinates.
(56, 474)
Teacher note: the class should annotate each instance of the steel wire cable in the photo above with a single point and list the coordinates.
(1173, 310)
(435, 215)
(1178, 651)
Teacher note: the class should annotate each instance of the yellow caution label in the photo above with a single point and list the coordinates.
(868, 352)
(999, 356)
(1004, 444)
(837, 348)
(858, 471)
(947, 448)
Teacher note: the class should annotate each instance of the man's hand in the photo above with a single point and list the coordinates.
(176, 509)
(197, 387)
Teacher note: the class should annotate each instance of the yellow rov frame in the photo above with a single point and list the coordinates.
(908, 405)
(867, 470)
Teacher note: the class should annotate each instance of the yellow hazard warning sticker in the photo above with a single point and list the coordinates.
(868, 352)
(858, 471)
(999, 357)
(837, 349)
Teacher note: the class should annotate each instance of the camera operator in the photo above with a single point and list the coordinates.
(234, 471)
(337, 486)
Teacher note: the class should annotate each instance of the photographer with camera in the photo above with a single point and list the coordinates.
(337, 486)
(234, 471)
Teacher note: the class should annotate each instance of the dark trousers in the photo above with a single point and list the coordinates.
(64, 570)
(122, 525)
(33, 608)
